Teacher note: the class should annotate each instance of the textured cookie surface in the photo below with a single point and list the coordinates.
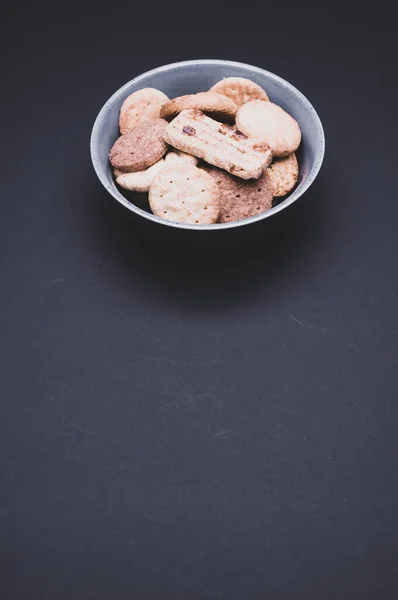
(185, 194)
(241, 199)
(283, 173)
(218, 144)
(240, 90)
(216, 105)
(178, 156)
(270, 123)
(140, 180)
(140, 147)
(141, 106)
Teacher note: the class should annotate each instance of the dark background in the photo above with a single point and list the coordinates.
(197, 422)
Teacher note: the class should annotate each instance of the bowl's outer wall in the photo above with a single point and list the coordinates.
(197, 76)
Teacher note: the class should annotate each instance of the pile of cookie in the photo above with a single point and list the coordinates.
(212, 157)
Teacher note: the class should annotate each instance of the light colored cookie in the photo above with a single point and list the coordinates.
(139, 148)
(270, 123)
(141, 106)
(117, 173)
(283, 173)
(140, 181)
(241, 199)
(216, 105)
(240, 90)
(218, 144)
(178, 156)
(185, 194)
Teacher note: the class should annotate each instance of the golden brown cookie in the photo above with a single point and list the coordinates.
(141, 106)
(241, 199)
(217, 106)
(270, 123)
(283, 173)
(140, 181)
(218, 144)
(178, 156)
(140, 147)
(184, 194)
(240, 90)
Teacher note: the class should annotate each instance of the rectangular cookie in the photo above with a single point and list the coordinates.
(218, 144)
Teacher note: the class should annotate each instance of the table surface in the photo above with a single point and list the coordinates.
(178, 427)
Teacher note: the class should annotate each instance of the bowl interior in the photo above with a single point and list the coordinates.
(198, 76)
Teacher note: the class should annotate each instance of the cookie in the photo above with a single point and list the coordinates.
(140, 181)
(270, 123)
(217, 106)
(141, 106)
(218, 144)
(283, 173)
(140, 147)
(117, 173)
(178, 156)
(241, 199)
(240, 90)
(185, 194)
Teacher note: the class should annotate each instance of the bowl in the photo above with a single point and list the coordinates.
(190, 77)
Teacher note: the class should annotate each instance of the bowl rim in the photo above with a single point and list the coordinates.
(295, 195)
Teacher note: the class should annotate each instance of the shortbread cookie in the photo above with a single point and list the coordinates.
(185, 194)
(270, 123)
(178, 156)
(283, 173)
(240, 90)
(140, 181)
(141, 106)
(117, 173)
(218, 144)
(140, 147)
(216, 105)
(241, 199)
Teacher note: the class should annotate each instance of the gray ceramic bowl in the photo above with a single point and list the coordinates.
(197, 76)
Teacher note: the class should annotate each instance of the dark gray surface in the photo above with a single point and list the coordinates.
(190, 77)
(180, 423)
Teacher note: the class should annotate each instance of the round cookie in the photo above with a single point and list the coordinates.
(270, 123)
(185, 194)
(140, 147)
(283, 173)
(178, 156)
(215, 105)
(141, 106)
(240, 90)
(241, 199)
(140, 181)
